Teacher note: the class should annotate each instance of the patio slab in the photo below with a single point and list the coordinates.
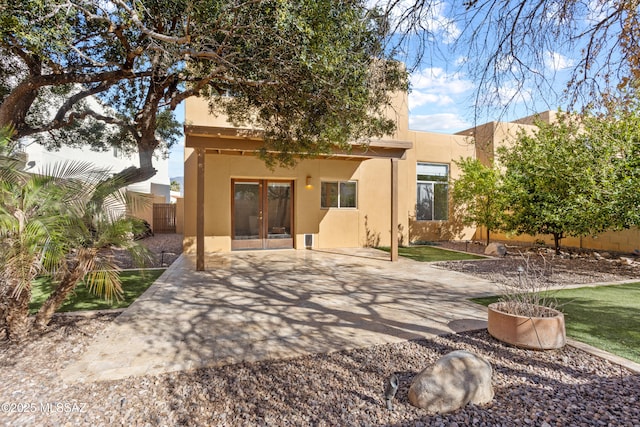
(258, 305)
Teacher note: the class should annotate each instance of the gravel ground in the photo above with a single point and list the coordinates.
(572, 267)
(165, 248)
(553, 388)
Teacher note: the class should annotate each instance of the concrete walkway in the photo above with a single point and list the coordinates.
(250, 306)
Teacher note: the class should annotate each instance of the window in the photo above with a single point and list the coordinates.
(338, 194)
(433, 192)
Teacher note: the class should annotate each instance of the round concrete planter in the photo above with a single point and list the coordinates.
(538, 333)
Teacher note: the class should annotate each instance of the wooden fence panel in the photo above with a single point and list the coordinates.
(164, 218)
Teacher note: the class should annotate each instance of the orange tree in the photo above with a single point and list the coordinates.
(559, 180)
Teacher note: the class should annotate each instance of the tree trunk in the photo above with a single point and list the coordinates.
(132, 174)
(15, 106)
(556, 242)
(127, 176)
(16, 316)
(3, 316)
(488, 236)
(58, 297)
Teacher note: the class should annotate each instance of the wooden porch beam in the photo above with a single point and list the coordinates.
(223, 143)
(394, 210)
(200, 212)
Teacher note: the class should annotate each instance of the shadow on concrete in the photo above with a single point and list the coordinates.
(250, 306)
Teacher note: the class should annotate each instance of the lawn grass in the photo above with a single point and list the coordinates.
(606, 317)
(134, 283)
(431, 254)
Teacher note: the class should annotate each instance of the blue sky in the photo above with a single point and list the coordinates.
(439, 101)
(176, 154)
(442, 95)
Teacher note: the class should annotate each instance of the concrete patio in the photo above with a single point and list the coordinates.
(250, 306)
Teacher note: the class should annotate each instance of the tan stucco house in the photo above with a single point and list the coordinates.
(394, 190)
(347, 199)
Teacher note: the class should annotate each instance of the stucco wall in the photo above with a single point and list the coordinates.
(180, 215)
(370, 222)
(197, 114)
(617, 241)
(432, 147)
(143, 209)
(331, 227)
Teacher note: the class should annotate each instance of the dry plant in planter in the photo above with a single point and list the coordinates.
(527, 315)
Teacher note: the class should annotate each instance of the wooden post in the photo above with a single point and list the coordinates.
(200, 212)
(394, 210)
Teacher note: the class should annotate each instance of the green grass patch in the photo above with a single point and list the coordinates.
(606, 317)
(430, 254)
(134, 283)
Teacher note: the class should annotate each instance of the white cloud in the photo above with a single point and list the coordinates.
(598, 10)
(107, 6)
(460, 61)
(434, 98)
(437, 79)
(436, 87)
(513, 93)
(442, 122)
(556, 61)
(428, 16)
(418, 99)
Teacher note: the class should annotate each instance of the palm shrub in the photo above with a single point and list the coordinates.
(32, 228)
(58, 223)
(101, 226)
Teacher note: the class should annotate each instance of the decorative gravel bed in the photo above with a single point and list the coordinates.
(572, 267)
(165, 249)
(554, 388)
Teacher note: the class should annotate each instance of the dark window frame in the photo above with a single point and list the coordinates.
(336, 199)
(433, 190)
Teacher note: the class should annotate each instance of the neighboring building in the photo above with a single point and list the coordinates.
(39, 158)
(394, 188)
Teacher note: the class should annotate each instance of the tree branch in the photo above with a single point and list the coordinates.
(155, 35)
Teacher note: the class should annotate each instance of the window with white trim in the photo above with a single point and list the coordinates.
(338, 194)
(432, 202)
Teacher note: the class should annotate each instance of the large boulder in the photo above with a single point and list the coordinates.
(454, 380)
(495, 249)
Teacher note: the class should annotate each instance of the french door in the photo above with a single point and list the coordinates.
(262, 214)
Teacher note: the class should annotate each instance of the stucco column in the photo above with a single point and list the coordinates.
(200, 211)
(394, 209)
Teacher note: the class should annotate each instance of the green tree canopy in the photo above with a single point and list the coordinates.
(313, 75)
(621, 132)
(558, 180)
(478, 195)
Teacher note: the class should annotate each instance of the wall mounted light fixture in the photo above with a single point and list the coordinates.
(308, 182)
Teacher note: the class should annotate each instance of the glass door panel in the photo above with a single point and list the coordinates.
(279, 210)
(247, 215)
(262, 214)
